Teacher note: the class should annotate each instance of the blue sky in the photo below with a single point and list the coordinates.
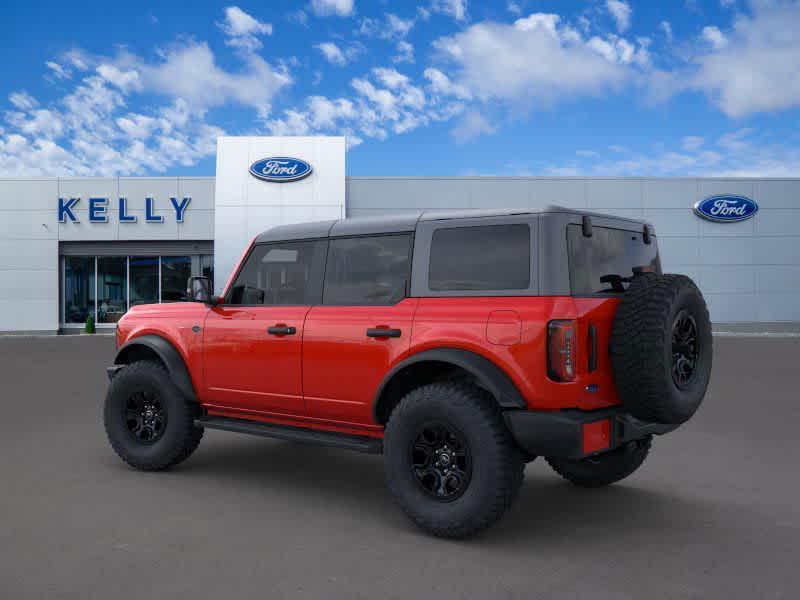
(437, 87)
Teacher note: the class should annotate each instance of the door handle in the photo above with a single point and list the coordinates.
(281, 330)
(383, 332)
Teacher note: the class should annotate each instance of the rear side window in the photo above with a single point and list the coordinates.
(369, 270)
(282, 273)
(485, 257)
(605, 262)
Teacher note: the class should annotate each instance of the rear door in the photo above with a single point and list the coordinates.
(253, 341)
(361, 328)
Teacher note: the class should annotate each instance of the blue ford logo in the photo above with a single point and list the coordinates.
(726, 209)
(280, 169)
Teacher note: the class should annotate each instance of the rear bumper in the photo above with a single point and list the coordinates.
(576, 434)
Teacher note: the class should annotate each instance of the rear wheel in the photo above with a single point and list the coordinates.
(606, 468)
(148, 422)
(450, 461)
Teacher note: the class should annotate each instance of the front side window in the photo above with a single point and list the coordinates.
(484, 257)
(283, 273)
(605, 262)
(369, 270)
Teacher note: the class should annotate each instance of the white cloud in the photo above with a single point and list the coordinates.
(453, 8)
(727, 3)
(58, 70)
(758, 70)
(692, 143)
(715, 37)
(735, 154)
(514, 8)
(336, 55)
(441, 84)
(621, 11)
(91, 131)
(471, 125)
(339, 8)
(385, 101)
(405, 52)
(537, 60)
(666, 27)
(22, 100)
(243, 29)
(391, 27)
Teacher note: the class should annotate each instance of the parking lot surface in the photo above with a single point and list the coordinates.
(713, 513)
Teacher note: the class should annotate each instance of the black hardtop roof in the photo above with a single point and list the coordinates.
(403, 222)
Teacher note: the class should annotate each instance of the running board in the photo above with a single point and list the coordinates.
(359, 443)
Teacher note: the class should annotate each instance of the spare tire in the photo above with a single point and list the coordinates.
(661, 348)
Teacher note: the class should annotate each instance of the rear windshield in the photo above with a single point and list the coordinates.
(605, 262)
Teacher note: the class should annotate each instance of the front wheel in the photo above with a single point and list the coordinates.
(450, 461)
(606, 468)
(148, 422)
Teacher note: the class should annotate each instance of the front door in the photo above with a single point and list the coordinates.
(252, 342)
(362, 327)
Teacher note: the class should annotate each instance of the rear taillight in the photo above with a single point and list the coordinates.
(561, 350)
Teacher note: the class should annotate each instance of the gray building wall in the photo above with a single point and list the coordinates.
(30, 233)
(748, 271)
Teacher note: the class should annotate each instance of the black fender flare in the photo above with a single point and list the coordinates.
(488, 375)
(168, 354)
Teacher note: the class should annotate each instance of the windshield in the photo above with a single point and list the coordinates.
(606, 262)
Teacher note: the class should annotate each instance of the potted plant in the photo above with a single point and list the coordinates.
(89, 327)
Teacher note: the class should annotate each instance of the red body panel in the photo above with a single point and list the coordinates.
(173, 322)
(487, 325)
(342, 367)
(246, 367)
(326, 375)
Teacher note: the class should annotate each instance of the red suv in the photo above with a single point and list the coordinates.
(459, 345)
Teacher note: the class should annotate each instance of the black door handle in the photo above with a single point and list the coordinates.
(281, 330)
(382, 332)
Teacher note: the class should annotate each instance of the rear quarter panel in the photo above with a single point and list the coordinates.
(464, 323)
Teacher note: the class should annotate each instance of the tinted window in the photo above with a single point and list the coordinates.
(282, 273)
(367, 270)
(605, 262)
(488, 257)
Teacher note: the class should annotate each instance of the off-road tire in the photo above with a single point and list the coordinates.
(497, 466)
(642, 348)
(180, 436)
(603, 469)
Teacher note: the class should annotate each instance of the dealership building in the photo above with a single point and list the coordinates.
(71, 248)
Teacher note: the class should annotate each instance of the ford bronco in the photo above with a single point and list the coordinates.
(458, 345)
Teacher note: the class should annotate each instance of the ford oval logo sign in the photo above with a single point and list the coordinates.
(726, 209)
(280, 169)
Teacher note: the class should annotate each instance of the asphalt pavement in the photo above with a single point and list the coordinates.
(713, 513)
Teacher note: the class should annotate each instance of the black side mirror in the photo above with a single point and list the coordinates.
(199, 290)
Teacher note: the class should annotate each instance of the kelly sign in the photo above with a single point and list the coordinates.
(98, 210)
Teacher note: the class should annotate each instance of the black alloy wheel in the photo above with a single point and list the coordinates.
(684, 349)
(442, 462)
(145, 416)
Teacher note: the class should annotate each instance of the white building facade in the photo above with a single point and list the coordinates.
(71, 248)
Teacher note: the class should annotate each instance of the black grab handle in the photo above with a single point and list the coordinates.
(382, 332)
(281, 330)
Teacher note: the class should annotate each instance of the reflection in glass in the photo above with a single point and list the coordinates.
(207, 267)
(78, 288)
(175, 273)
(112, 290)
(144, 280)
